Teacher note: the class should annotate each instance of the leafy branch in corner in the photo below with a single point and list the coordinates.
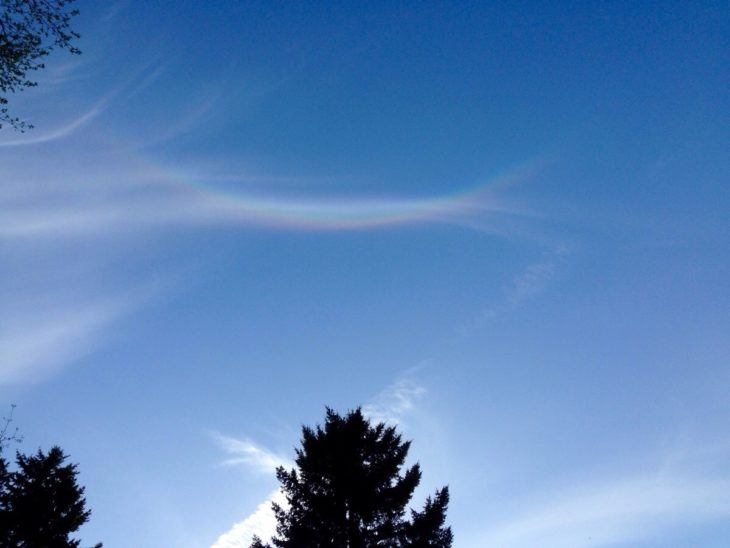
(29, 31)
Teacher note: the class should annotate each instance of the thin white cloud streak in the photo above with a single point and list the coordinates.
(249, 454)
(59, 306)
(61, 77)
(114, 10)
(528, 283)
(531, 281)
(190, 118)
(95, 220)
(394, 403)
(614, 512)
(61, 74)
(60, 132)
(260, 523)
(36, 342)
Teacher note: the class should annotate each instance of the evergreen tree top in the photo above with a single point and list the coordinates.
(349, 489)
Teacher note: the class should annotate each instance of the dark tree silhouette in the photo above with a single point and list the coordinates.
(29, 31)
(347, 490)
(41, 503)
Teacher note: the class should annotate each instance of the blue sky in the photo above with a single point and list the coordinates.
(502, 226)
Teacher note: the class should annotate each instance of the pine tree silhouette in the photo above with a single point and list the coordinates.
(347, 491)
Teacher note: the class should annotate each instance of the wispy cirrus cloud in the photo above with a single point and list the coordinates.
(533, 279)
(50, 320)
(36, 342)
(61, 300)
(398, 400)
(616, 511)
(528, 283)
(246, 453)
(260, 523)
(59, 132)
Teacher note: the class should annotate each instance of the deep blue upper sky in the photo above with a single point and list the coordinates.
(503, 226)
